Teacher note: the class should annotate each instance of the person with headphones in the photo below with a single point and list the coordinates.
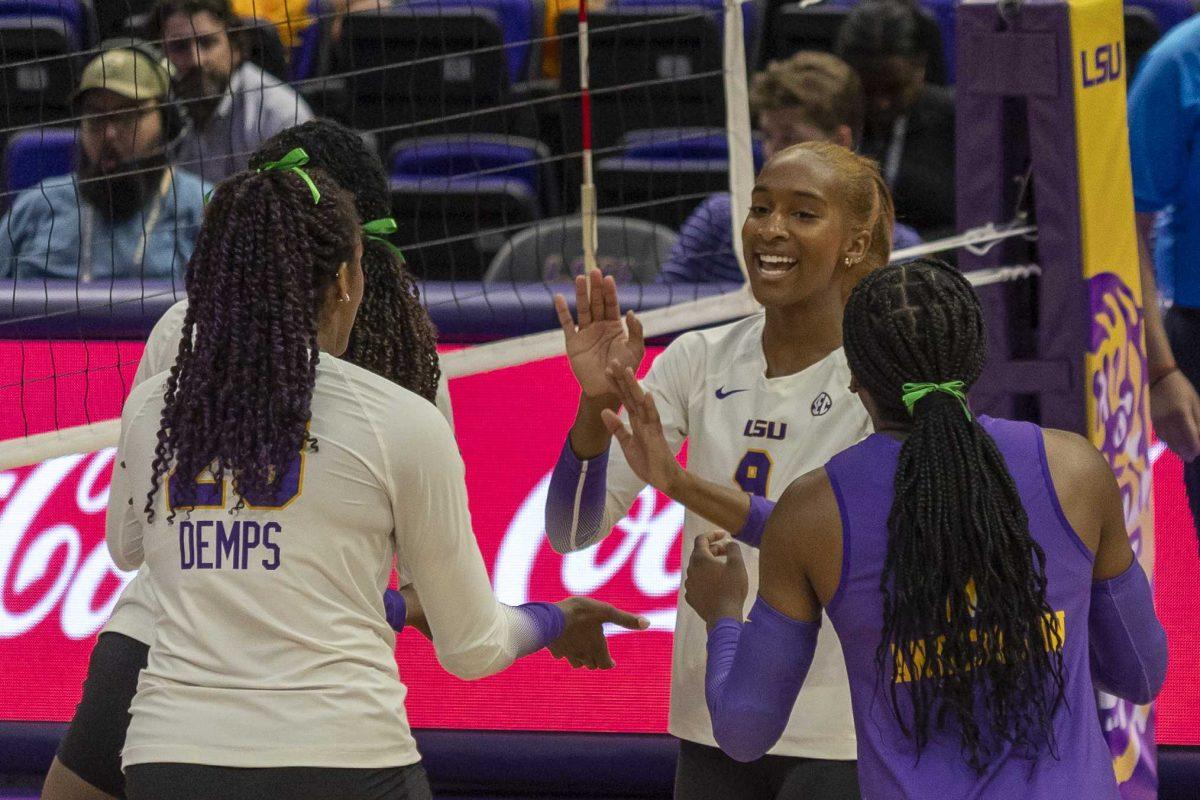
(125, 212)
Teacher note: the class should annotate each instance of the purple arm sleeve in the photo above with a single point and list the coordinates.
(575, 500)
(753, 676)
(1127, 643)
(760, 511)
(537, 625)
(395, 609)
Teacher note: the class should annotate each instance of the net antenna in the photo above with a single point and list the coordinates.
(587, 190)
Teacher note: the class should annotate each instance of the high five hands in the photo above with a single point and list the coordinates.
(643, 442)
(601, 336)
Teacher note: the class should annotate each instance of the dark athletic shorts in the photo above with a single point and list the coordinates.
(201, 782)
(706, 773)
(92, 747)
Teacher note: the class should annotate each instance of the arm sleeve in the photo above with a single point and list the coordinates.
(1161, 131)
(1126, 642)
(587, 498)
(753, 677)
(474, 634)
(704, 250)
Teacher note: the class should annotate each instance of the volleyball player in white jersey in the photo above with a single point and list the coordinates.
(392, 337)
(269, 486)
(761, 402)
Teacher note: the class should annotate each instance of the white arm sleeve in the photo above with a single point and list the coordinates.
(473, 633)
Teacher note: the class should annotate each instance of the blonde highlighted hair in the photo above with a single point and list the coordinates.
(867, 203)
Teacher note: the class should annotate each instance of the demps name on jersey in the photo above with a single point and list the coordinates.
(213, 544)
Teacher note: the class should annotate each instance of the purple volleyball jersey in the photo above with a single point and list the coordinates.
(888, 767)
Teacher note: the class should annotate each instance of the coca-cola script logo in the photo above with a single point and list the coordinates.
(53, 566)
(644, 544)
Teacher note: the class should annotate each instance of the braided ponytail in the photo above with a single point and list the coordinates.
(966, 622)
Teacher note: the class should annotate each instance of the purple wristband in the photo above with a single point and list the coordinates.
(575, 500)
(395, 609)
(756, 521)
(539, 624)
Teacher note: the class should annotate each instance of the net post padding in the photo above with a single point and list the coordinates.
(737, 124)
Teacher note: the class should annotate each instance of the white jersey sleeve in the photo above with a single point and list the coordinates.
(136, 609)
(162, 346)
(473, 633)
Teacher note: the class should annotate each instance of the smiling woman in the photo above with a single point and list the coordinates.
(761, 402)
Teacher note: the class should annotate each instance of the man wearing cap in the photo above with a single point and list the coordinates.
(234, 106)
(125, 212)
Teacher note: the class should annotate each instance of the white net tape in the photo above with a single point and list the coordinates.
(537, 346)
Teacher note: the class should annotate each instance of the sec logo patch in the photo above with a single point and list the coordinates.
(821, 405)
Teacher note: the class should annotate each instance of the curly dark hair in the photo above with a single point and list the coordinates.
(393, 335)
(238, 398)
(965, 617)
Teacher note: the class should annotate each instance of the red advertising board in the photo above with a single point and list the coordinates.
(57, 583)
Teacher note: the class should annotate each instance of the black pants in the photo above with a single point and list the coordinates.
(92, 747)
(705, 773)
(201, 782)
(1183, 331)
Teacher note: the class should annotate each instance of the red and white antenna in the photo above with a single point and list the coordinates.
(587, 191)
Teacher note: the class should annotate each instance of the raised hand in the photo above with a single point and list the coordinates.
(1175, 412)
(643, 442)
(601, 336)
(716, 585)
(582, 642)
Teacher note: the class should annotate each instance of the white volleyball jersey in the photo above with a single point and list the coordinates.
(271, 647)
(135, 610)
(744, 429)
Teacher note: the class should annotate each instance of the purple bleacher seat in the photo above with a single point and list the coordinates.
(694, 144)
(1168, 13)
(31, 156)
(69, 11)
(470, 155)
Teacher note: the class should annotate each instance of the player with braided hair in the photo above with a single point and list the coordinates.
(392, 336)
(977, 571)
(282, 482)
(761, 402)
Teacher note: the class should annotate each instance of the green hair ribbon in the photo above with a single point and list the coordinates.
(913, 392)
(294, 161)
(378, 229)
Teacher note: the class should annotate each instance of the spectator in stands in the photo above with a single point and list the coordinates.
(811, 96)
(126, 213)
(1164, 135)
(909, 124)
(234, 106)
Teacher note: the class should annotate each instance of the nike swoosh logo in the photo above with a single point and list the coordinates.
(722, 394)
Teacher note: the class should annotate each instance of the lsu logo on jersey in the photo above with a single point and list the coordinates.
(765, 429)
